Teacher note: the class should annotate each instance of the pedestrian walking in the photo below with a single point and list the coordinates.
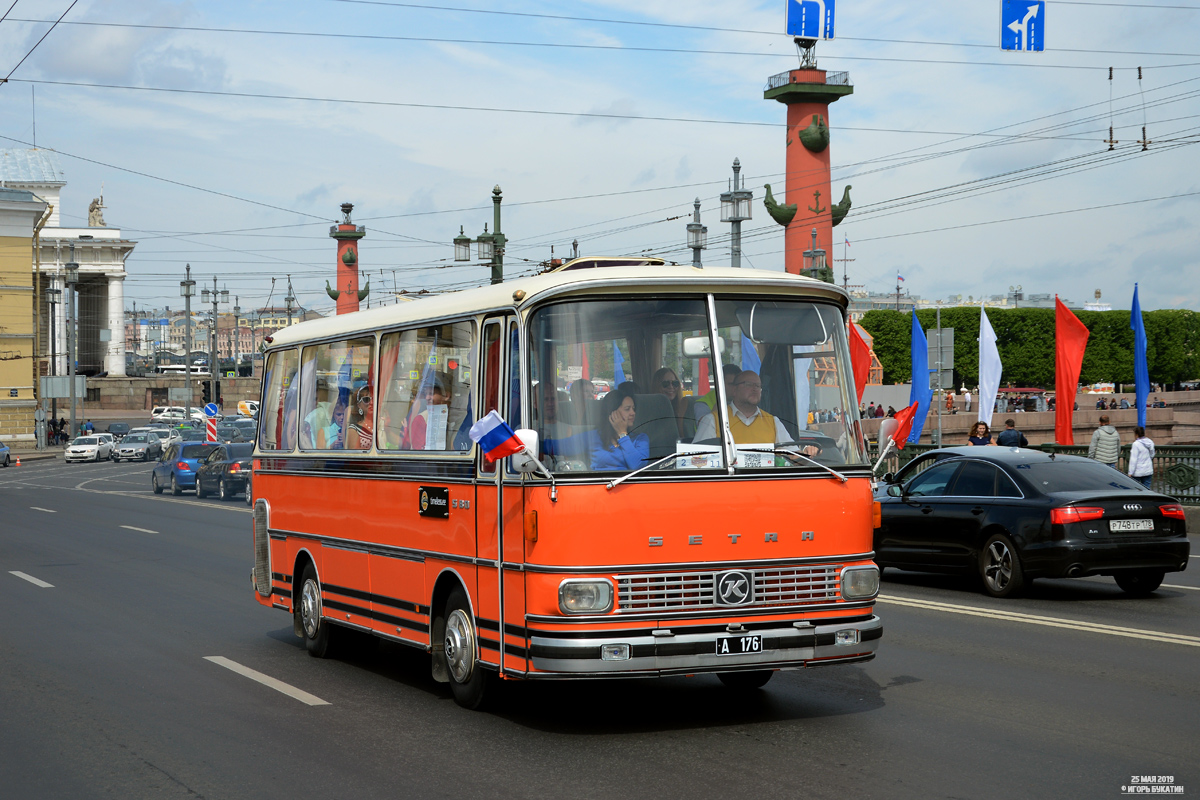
(1141, 457)
(967, 398)
(1105, 446)
(1010, 436)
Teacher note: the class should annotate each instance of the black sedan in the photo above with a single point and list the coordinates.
(226, 471)
(1010, 515)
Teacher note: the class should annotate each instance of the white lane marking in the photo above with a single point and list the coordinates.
(139, 530)
(47, 510)
(267, 680)
(1053, 622)
(31, 579)
(1177, 586)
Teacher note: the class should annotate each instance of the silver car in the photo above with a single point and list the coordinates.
(142, 446)
(88, 448)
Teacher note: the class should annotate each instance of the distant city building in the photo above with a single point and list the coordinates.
(20, 211)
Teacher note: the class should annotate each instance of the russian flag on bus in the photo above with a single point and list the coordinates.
(496, 438)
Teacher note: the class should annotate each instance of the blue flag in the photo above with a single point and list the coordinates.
(618, 366)
(921, 394)
(1141, 373)
(750, 359)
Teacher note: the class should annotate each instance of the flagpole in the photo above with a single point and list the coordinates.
(500, 551)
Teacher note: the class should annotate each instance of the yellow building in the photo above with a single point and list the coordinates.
(19, 214)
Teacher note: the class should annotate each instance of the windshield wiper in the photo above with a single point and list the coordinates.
(792, 454)
(626, 476)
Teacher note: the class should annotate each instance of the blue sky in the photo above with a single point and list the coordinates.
(925, 75)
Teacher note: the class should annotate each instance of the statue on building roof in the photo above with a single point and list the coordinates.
(96, 213)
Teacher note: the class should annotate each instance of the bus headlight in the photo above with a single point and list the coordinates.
(585, 596)
(860, 582)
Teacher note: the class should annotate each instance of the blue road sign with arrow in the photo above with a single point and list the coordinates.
(211, 410)
(1022, 25)
(810, 19)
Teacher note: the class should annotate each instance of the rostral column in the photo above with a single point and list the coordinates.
(347, 294)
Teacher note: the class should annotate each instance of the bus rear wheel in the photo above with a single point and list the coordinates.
(746, 681)
(468, 681)
(318, 634)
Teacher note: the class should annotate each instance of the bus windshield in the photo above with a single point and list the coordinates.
(621, 384)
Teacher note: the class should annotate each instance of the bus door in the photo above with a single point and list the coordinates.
(500, 390)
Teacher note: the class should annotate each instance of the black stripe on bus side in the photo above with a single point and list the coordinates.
(378, 616)
(509, 649)
(358, 594)
(281, 592)
(492, 625)
(279, 576)
(457, 469)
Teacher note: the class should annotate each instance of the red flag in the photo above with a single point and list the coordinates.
(904, 423)
(702, 382)
(860, 360)
(1070, 340)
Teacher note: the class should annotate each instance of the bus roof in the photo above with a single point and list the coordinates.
(564, 280)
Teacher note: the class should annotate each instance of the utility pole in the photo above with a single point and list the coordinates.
(51, 301)
(844, 261)
(72, 269)
(697, 235)
(735, 209)
(940, 399)
(187, 288)
(217, 297)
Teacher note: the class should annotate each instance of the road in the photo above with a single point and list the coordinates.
(117, 679)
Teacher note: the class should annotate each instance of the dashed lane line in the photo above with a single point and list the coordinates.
(1053, 622)
(139, 530)
(31, 579)
(267, 680)
(1177, 586)
(47, 510)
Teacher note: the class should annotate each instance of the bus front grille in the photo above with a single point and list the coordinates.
(694, 590)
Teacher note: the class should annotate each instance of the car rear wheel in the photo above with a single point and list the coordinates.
(223, 490)
(154, 484)
(468, 681)
(1140, 582)
(746, 681)
(175, 490)
(6, 459)
(319, 635)
(1000, 567)
(200, 493)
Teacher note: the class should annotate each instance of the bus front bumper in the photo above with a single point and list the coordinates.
(680, 651)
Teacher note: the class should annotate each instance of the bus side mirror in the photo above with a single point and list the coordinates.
(526, 461)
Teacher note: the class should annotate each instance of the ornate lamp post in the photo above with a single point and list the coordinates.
(72, 276)
(213, 361)
(187, 288)
(735, 209)
(814, 262)
(491, 245)
(697, 236)
(52, 300)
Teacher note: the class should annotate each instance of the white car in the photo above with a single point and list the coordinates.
(168, 436)
(89, 448)
(168, 414)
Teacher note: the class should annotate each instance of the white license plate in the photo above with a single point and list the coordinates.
(739, 645)
(1121, 525)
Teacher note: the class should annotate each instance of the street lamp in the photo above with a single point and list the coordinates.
(697, 235)
(235, 336)
(814, 262)
(72, 274)
(491, 245)
(187, 288)
(735, 209)
(52, 300)
(221, 296)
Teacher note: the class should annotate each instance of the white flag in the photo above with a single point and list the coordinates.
(990, 368)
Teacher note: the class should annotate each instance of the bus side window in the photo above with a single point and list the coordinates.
(277, 418)
(334, 378)
(490, 391)
(425, 381)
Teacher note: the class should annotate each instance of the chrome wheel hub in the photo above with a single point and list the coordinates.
(460, 646)
(310, 608)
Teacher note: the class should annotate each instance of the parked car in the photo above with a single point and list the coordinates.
(139, 446)
(168, 414)
(226, 471)
(194, 435)
(166, 435)
(119, 430)
(108, 437)
(1010, 515)
(177, 466)
(5, 455)
(88, 448)
(230, 433)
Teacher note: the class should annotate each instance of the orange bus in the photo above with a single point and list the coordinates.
(647, 532)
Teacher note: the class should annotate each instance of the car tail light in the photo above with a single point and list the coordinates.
(1062, 516)
(182, 465)
(236, 467)
(1172, 511)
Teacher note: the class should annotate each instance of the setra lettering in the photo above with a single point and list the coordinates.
(656, 541)
(771, 537)
(696, 539)
(733, 537)
(806, 536)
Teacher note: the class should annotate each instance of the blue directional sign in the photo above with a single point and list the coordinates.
(1022, 24)
(210, 410)
(810, 19)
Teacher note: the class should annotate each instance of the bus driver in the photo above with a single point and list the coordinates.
(748, 423)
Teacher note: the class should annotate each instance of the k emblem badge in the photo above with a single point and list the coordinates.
(735, 588)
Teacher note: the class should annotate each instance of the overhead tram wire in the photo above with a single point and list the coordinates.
(638, 48)
(6, 78)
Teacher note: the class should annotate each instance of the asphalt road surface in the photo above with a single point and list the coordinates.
(134, 662)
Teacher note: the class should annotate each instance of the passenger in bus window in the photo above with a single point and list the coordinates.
(362, 426)
(432, 398)
(666, 382)
(582, 393)
(609, 445)
(332, 436)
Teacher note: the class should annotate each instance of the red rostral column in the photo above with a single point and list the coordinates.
(807, 92)
(347, 234)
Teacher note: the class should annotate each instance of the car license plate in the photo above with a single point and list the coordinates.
(739, 645)
(1120, 525)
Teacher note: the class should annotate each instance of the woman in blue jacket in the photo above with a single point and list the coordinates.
(609, 446)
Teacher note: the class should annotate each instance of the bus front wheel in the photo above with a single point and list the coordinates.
(318, 634)
(468, 681)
